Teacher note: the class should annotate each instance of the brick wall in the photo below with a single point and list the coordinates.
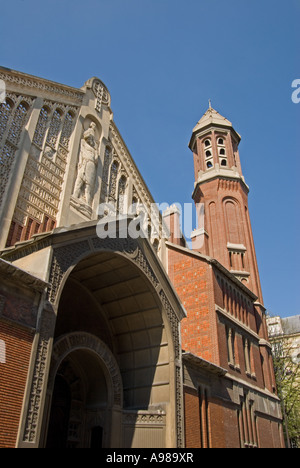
(191, 277)
(13, 375)
(192, 419)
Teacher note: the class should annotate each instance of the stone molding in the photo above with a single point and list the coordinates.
(82, 340)
(42, 85)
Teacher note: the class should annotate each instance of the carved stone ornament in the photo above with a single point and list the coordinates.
(102, 95)
(85, 181)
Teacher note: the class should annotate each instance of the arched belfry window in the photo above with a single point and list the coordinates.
(207, 146)
(222, 151)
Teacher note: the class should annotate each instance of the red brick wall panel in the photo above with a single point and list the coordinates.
(13, 376)
(192, 280)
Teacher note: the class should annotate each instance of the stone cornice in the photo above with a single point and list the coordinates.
(203, 364)
(37, 85)
(23, 277)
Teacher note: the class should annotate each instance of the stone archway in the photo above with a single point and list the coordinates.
(84, 394)
(136, 314)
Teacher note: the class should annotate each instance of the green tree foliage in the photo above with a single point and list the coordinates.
(287, 373)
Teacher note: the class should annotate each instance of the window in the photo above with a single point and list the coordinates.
(54, 128)
(208, 153)
(246, 346)
(2, 352)
(113, 181)
(5, 111)
(28, 229)
(17, 123)
(105, 173)
(121, 195)
(247, 423)
(204, 417)
(67, 130)
(41, 127)
(222, 152)
(230, 336)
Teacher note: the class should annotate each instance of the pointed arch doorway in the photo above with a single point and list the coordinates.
(84, 396)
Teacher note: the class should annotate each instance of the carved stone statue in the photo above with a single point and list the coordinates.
(85, 181)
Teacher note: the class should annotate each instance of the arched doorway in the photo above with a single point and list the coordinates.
(110, 298)
(83, 397)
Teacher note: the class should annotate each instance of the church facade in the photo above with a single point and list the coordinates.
(113, 332)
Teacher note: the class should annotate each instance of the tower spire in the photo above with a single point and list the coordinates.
(221, 187)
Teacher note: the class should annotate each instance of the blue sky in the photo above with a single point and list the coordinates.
(161, 61)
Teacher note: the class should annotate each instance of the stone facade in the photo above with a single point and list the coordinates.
(109, 339)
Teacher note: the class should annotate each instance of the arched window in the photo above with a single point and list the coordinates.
(208, 153)
(105, 172)
(222, 152)
(233, 222)
(121, 195)
(54, 128)
(5, 111)
(17, 124)
(41, 127)
(134, 206)
(67, 130)
(113, 181)
(2, 352)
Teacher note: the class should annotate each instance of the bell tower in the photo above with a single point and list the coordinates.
(224, 228)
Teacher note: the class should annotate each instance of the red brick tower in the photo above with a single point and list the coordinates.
(224, 231)
(219, 184)
(228, 368)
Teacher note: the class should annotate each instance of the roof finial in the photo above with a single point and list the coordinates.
(209, 102)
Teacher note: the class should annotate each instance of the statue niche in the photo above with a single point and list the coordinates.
(87, 165)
